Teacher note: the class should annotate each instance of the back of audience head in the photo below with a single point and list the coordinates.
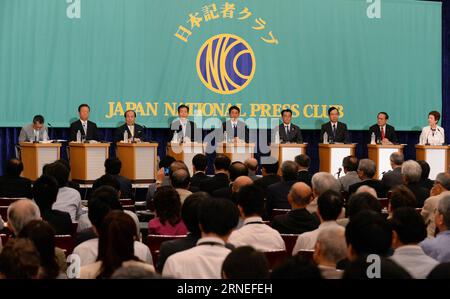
(14, 167)
(442, 183)
(411, 172)
(251, 164)
(350, 163)
(237, 169)
(19, 259)
(303, 161)
(221, 163)
(396, 159)
(367, 189)
(366, 168)
(166, 162)
(240, 182)
(134, 272)
(251, 200)
(362, 201)
(324, 181)
(42, 235)
(330, 246)
(300, 195)
(270, 168)
(20, 213)
(167, 205)
(289, 171)
(45, 192)
(425, 169)
(245, 263)
(102, 201)
(329, 205)
(401, 196)
(176, 166)
(113, 166)
(180, 179)
(442, 216)
(199, 162)
(218, 216)
(190, 212)
(59, 171)
(367, 233)
(107, 180)
(388, 269)
(116, 242)
(296, 267)
(408, 227)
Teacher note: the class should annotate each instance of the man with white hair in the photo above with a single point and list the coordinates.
(440, 188)
(330, 248)
(367, 189)
(366, 171)
(411, 172)
(322, 182)
(394, 177)
(439, 247)
(20, 213)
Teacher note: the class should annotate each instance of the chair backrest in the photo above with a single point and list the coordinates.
(66, 243)
(289, 241)
(131, 208)
(275, 257)
(6, 201)
(276, 212)
(154, 243)
(308, 254)
(127, 202)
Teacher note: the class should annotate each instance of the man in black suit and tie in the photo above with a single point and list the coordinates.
(185, 129)
(221, 178)
(384, 133)
(269, 175)
(303, 162)
(236, 129)
(135, 131)
(289, 133)
(199, 163)
(12, 185)
(336, 131)
(87, 128)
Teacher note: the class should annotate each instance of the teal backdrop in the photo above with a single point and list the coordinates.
(119, 53)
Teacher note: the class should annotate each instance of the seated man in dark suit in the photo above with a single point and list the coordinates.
(199, 163)
(303, 162)
(412, 172)
(384, 133)
(184, 130)
(87, 128)
(113, 167)
(45, 191)
(220, 179)
(235, 170)
(289, 133)
(394, 177)
(189, 214)
(269, 173)
(299, 220)
(235, 129)
(336, 131)
(424, 178)
(12, 185)
(135, 132)
(366, 172)
(277, 193)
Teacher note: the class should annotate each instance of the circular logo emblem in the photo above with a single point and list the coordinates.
(226, 64)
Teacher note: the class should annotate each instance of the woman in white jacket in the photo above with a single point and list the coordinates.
(433, 134)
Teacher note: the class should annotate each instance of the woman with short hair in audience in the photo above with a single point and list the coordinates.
(115, 247)
(168, 213)
(43, 236)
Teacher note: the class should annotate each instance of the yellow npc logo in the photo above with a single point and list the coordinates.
(226, 64)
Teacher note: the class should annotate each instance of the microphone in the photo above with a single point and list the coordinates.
(50, 126)
(339, 172)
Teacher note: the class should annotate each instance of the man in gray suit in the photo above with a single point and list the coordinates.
(394, 177)
(36, 131)
(350, 164)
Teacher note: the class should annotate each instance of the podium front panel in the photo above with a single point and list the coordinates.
(289, 153)
(145, 163)
(384, 160)
(437, 158)
(95, 160)
(238, 152)
(46, 155)
(336, 156)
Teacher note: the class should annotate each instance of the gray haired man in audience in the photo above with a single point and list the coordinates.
(330, 248)
(20, 213)
(350, 165)
(412, 172)
(394, 177)
(366, 171)
(440, 188)
(322, 182)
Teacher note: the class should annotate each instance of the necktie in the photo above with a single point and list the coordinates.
(235, 131)
(382, 133)
(287, 130)
(334, 131)
(84, 128)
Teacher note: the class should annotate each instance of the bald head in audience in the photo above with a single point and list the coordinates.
(252, 164)
(299, 196)
(367, 189)
(20, 213)
(241, 182)
(180, 179)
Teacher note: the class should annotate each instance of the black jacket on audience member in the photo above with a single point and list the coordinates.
(267, 180)
(296, 221)
(420, 192)
(59, 220)
(196, 181)
(375, 184)
(220, 180)
(277, 196)
(15, 187)
(305, 177)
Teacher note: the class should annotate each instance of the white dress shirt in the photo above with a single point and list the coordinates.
(414, 260)
(88, 252)
(84, 125)
(257, 234)
(307, 241)
(91, 271)
(69, 200)
(131, 129)
(200, 262)
(436, 137)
